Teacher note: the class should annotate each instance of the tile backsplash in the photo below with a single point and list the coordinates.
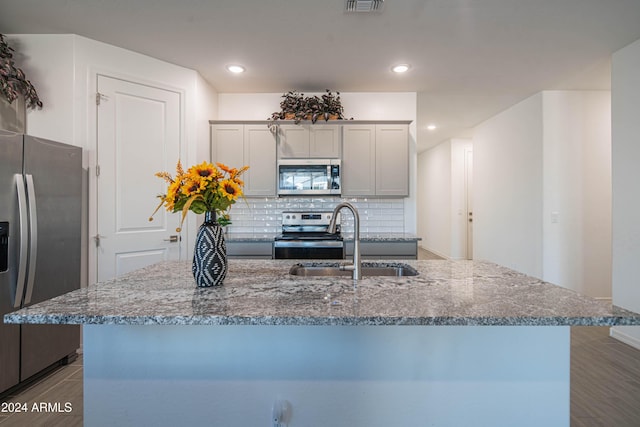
(264, 215)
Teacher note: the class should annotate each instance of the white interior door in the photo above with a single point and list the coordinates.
(138, 134)
(468, 170)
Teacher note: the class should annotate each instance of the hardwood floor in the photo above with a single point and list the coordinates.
(605, 380)
(57, 396)
(605, 386)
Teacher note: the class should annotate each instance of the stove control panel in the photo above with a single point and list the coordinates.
(308, 218)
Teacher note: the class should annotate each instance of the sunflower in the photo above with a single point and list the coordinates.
(204, 171)
(230, 189)
(202, 188)
(173, 192)
(193, 186)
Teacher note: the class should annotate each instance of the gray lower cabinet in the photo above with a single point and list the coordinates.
(256, 250)
(385, 250)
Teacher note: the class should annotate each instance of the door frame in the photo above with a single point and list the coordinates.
(92, 158)
(468, 205)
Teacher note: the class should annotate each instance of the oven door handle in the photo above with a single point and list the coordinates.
(308, 244)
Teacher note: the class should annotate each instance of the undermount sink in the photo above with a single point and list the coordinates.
(368, 269)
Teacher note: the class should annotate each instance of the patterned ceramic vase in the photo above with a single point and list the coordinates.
(210, 254)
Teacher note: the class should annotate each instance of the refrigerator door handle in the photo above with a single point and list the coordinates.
(24, 239)
(33, 231)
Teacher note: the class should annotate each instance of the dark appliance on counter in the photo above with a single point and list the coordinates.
(309, 177)
(40, 249)
(304, 236)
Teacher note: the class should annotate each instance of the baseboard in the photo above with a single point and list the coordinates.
(435, 252)
(625, 338)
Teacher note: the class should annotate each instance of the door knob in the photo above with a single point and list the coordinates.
(172, 239)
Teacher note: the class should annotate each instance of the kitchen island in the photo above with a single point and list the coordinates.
(462, 343)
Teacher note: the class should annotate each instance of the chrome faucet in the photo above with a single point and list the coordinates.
(356, 267)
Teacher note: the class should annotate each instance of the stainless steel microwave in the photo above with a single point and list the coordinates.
(308, 177)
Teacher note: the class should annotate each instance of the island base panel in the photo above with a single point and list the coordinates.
(330, 375)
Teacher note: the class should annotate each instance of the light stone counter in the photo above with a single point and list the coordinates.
(386, 352)
(364, 237)
(261, 292)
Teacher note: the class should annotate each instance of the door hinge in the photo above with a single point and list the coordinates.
(97, 170)
(100, 97)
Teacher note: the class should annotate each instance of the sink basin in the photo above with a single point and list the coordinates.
(368, 269)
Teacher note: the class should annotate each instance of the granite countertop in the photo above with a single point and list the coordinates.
(383, 237)
(261, 292)
(364, 237)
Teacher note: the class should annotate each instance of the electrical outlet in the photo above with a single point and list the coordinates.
(280, 413)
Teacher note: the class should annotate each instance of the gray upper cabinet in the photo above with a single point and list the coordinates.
(392, 160)
(375, 160)
(309, 141)
(358, 160)
(237, 145)
(375, 154)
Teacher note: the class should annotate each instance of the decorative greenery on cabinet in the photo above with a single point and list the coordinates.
(13, 81)
(295, 106)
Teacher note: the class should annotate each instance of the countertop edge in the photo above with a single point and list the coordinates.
(316, 321)
(262, 292)
(392, 237)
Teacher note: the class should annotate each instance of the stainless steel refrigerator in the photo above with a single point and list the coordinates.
(40, 244)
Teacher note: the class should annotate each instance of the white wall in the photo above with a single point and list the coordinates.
(507, 193)
(626, 176)
(359, 106)
(442, 198)
(48, 63)
(577, 191)
(542, 190)
(434, 199)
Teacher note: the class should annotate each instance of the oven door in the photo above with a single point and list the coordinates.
(305, 249)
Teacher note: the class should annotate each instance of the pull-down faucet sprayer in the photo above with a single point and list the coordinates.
(356, 267)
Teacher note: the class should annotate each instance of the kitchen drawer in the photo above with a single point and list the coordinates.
(261, 250)
(385, 249)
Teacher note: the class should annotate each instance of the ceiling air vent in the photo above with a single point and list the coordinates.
(363, 5)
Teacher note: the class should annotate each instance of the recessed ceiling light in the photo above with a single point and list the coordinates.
(400, 68)
(236, 69)
(363, 5)
(432, 127)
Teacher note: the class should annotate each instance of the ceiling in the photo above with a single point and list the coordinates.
(469, 58)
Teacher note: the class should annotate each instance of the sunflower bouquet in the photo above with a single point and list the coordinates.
(202, 188)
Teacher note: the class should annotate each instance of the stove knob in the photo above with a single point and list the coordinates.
(293, 216)
(288, 217)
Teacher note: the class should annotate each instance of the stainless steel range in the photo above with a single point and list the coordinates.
(304, 236)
